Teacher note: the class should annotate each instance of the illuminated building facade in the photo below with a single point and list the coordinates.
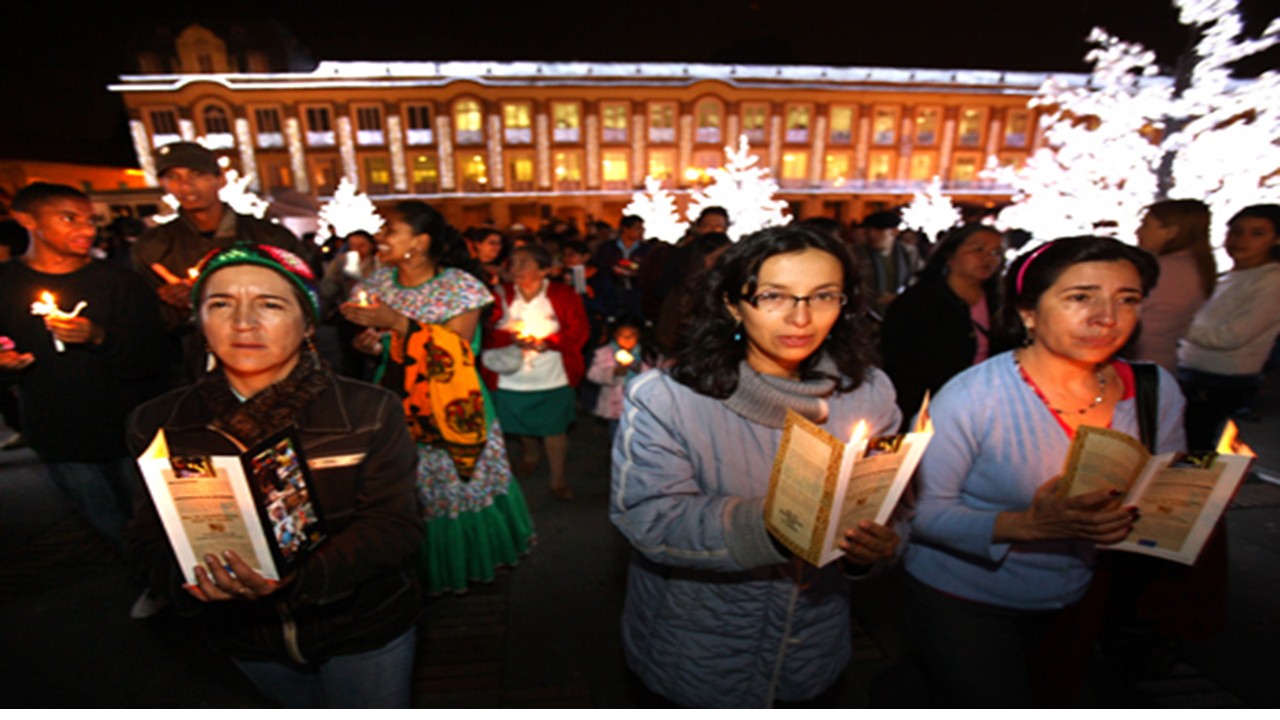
(524, 141)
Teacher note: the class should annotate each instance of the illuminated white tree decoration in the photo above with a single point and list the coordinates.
(744, 190)
(930, 210)
(1131, 137)
(658, 208)
(347, 212)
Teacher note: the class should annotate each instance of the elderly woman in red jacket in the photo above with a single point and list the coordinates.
(545, 323)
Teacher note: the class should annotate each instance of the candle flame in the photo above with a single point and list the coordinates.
(1231, 444)
(362, 298)
(192, 274)
(924, 421)
(861, 431)
(47, 298)
(623, 357)
(534, 328)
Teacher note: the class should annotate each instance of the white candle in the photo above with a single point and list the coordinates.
(47, 306)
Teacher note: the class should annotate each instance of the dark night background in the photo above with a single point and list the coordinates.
(56, 63)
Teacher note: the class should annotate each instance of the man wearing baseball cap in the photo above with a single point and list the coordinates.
(164, 254)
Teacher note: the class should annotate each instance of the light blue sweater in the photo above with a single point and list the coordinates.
(995, 442)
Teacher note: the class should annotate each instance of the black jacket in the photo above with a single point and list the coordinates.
(927, 338)
(360, 588)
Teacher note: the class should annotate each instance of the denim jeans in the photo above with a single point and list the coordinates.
(102, 492)
(379, 678)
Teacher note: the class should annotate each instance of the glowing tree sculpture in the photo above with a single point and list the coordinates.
(930, 210)
(1131, 136)
(658, 208)
(744, 190)
(347, 212)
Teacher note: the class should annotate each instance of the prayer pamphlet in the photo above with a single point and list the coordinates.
(258, 504)
(1179, 496)
(820, 486)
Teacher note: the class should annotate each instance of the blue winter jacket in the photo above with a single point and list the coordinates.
(714, 616)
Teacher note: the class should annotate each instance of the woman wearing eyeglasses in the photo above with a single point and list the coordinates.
(717, 613)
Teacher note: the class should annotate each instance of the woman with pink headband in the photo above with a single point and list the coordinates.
(997, 564)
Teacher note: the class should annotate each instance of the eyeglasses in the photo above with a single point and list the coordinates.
(776, 302)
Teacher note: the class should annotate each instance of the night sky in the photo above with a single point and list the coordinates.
(57, 64)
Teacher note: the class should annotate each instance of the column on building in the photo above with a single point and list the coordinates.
(591, 126)
(297, 156)
(775, 138)
(733, 123)
(862, 150)
(347, 144)
(906, 143)
(186, 127)
(444, 143)
(994, 127)
(818, 143)
(684, 142)
(142, 148)
(639, 137)
(395, 148)
(542, 145)
(248, 159)
(948, 142)
(493, 140)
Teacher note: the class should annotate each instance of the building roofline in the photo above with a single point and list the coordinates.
(355, 74)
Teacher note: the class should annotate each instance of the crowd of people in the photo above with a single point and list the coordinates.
(459, 347)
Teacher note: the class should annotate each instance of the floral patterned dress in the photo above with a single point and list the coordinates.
(473, 526)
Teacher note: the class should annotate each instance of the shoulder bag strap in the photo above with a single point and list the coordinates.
(1146, 378)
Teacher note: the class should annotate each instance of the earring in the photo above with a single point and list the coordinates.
(737, 332)
(408, 254)
(210, 361)
(311, 348)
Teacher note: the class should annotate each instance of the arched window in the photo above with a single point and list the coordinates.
(707, 121)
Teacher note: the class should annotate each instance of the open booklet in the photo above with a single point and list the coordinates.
(258, 504)
(820, 486)
(1179, 496)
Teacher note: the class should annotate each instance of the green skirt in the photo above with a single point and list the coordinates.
(538, 413)
(469, 547)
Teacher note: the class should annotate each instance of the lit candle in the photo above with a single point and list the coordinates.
(192, 274)
(362, 298)
(47, 306)
(1231, 444)
(623, 357)
(858, 440)
(165, 274)
(533, 328)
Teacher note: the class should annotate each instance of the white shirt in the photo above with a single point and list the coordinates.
(1233, 333)
(541, 370)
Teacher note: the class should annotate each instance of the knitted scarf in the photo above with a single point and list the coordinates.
(269, 411)
(765, 399)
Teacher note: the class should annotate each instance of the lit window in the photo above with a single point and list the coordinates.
(880, 166)
(517, 123)
(419, 127)
(927, 126)
(836, 168)
(923, 166)
(965, 168)
(519, 172)
(1017, 128)
(702, 162)
(468, 121)
(616, 167)
(795, 166)
(707, 122)
(426, 179)
(475, 174)
(797, 127)
(566, 122)
(662, 122)
(841, 125)
(377, 174)
(970, 127)
(662, 164)
(615, 121)
(217, 129)
(754, 117)
(884, 126)
(567, 168)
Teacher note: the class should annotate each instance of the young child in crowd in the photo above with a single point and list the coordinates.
(614, 363)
